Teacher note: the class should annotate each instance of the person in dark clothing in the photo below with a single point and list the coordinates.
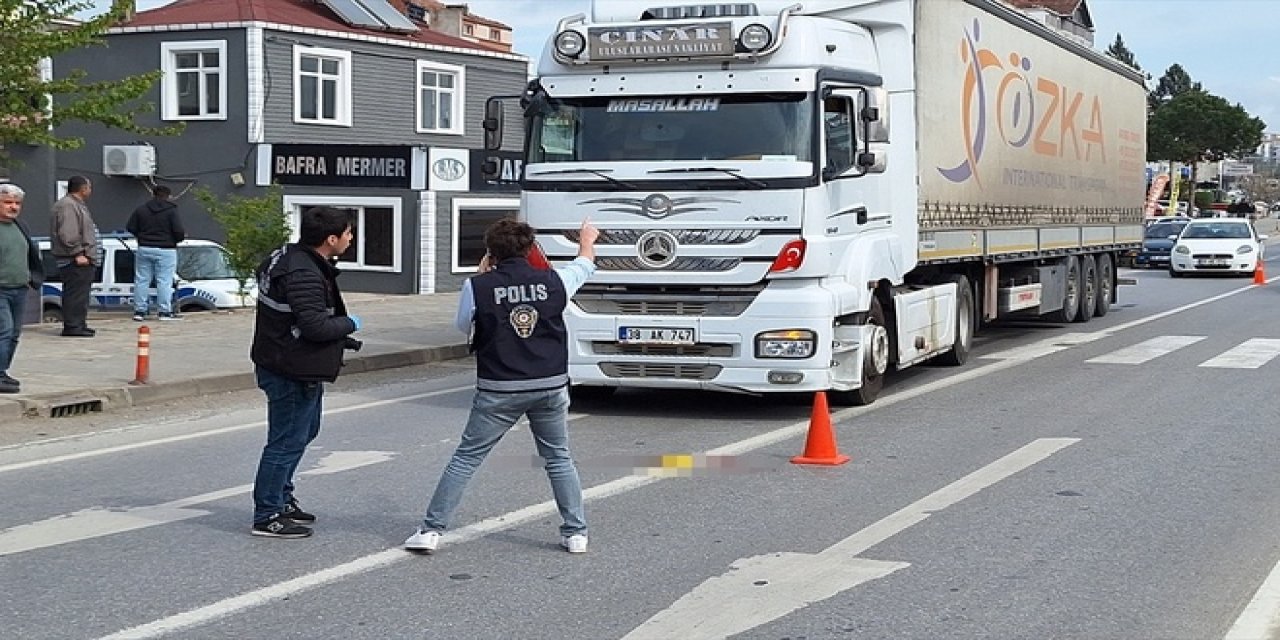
(158, 229)
(522, 365)
(301, 329)
(77, 252)
(20, 271)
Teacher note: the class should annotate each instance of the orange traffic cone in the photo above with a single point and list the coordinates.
(820, 445)
(1259, 276)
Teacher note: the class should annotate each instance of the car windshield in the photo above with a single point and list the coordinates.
(203, 263)
(649, 128)
(1218, 230)
(1164, 229)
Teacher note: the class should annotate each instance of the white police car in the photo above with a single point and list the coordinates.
(204, 281)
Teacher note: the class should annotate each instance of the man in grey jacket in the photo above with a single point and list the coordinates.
(74, 245)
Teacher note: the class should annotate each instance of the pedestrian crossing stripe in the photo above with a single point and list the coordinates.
(1250, 354)
(1146, 350)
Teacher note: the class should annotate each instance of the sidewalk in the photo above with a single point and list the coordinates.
(206, 353)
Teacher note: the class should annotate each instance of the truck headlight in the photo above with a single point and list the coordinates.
(755, 37)
(788, 343)
(570, 44)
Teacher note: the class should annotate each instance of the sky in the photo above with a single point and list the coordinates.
(1223, 44)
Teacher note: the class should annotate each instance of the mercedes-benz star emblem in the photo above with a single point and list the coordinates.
(449, 169)
(657, 249)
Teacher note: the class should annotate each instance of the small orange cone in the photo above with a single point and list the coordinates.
(820, 445)
(1259, 276)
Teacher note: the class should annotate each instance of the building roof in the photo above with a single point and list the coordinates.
(301, 13)
(1059, 7)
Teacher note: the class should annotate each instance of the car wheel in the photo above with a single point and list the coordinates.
(51, 315)
(1174, 273)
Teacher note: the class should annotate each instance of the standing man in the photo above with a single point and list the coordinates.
(158, 229)
(299, 334)
(74, 244)
(20, 269)
(522, 367)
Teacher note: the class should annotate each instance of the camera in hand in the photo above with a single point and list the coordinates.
(352, 344)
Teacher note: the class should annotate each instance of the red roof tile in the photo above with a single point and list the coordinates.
(301, 13)
(1059, 7)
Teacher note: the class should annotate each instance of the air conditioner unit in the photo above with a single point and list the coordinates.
(128, 160)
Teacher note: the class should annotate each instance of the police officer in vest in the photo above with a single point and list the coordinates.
(515, 314)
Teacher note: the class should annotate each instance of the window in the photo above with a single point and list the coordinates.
(440, 98)
(193, 84)
(470, 218)
(375, 242)
(837, 118)
(322, 86)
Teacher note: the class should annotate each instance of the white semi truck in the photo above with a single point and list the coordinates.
(807, 196)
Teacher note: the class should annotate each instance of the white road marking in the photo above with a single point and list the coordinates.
(97, 522)
(764, 588)
(1047, 346)
(1147, 350)
(70, 457)
(1249, 354)
(1261, 617)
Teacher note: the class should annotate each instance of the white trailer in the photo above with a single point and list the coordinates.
(802, 197)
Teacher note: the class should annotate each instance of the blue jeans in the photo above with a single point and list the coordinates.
(492, 415)
(293, 421)
(157, 263)
(13, 302)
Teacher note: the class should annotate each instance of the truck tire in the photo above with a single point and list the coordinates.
(1070, 293)
(959, 353)
(1088, 288)
(1106, 284)
(51, 314)
(875, 360)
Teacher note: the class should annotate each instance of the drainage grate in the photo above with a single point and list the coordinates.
(74, 408)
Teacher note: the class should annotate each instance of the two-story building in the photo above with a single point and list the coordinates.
(358, 104)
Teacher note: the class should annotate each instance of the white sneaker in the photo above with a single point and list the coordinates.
(427, 541)
(576, 543)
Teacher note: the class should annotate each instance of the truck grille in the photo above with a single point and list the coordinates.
(663, 350)
(622, 263)
(649, 300)
(683, 236)
(648, 370)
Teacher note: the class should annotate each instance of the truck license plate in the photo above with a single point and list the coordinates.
(655, 335)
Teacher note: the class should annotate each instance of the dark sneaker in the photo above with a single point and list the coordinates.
(9, 387)
(295, 513)
(4, 377)
(280, 527)
(79, 333)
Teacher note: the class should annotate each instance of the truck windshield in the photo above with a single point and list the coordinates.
(728, 127)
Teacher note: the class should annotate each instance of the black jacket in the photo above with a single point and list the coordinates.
(155, 223)
(520, 340)
(302, 322)
(34, 264)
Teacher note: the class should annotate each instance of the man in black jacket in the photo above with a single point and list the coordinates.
(302, 326)
(159, 230)
(20, 271)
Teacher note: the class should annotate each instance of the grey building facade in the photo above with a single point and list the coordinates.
(384, 124)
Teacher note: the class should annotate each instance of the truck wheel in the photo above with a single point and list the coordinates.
(959, 353)
(1088, 288)
(51, 315)
(1070, 295)
(1106, 284)
(875, 351)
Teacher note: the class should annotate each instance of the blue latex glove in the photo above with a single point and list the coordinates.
(355, 320)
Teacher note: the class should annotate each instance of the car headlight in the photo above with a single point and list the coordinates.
(1182, 248)
(789, 343)
(1244, 248)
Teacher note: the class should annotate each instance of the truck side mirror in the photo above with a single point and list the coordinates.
(492, 124)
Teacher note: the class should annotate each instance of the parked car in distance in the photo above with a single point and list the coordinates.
(1216, 245)
(204, 281)
(1157, 242)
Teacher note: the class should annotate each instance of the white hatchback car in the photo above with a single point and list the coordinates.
(1217, 245)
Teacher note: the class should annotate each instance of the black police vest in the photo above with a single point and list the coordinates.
(520, 341)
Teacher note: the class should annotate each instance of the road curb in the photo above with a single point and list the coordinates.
(108, 398)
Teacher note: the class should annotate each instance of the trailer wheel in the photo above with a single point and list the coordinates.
(959, 353)
(875, 351)
(1088, 288)
(1070, 295)
(1106, 284)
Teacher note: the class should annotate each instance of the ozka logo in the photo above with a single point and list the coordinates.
(1026, 109)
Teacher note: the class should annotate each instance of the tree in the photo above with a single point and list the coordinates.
(255, 226)
(1195, 126)
(1175, 82)
(1122, 53)
(33, 107)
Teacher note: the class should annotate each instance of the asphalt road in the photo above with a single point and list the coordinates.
(1115, 479)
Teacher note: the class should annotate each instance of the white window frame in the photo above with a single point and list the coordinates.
(488, 204)
(458, 96)
(169, 78)
(295, 204)
(343, 99)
